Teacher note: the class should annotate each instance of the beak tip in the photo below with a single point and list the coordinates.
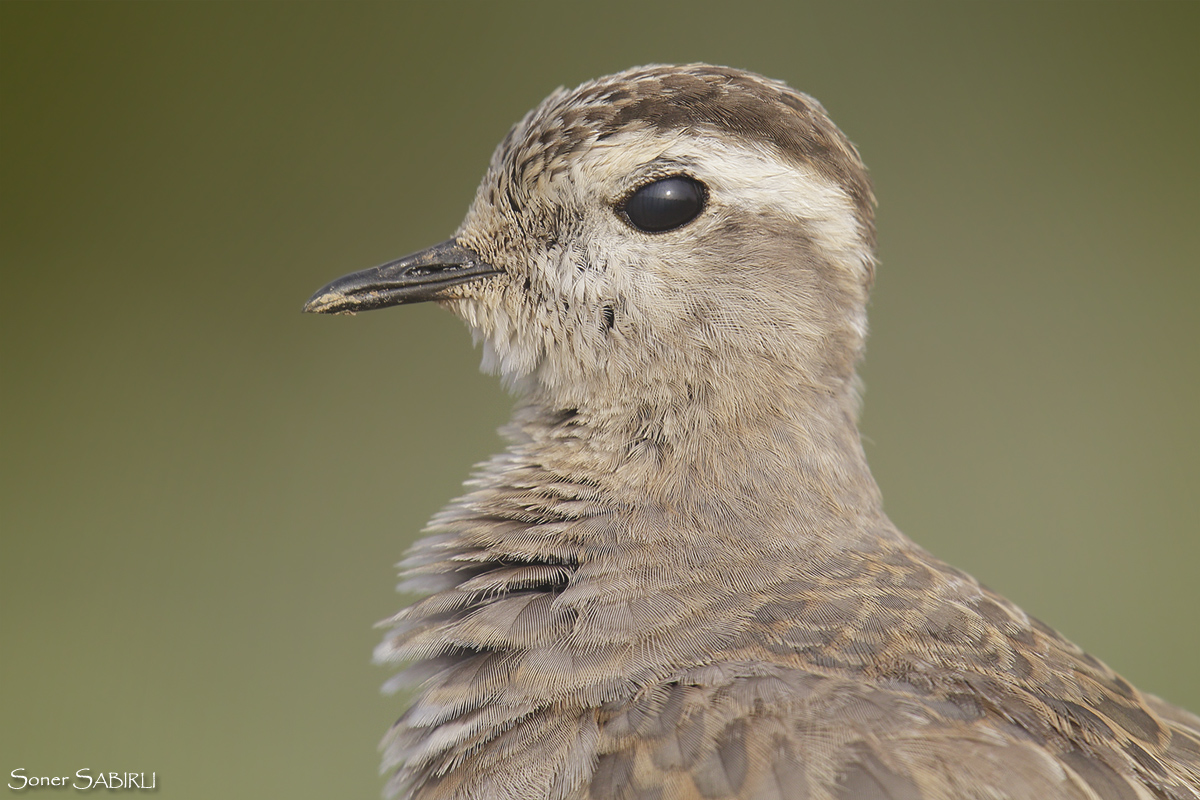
(325, 302)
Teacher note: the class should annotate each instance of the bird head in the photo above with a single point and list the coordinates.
(665, 232)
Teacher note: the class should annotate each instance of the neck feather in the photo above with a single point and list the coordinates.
(600, 553)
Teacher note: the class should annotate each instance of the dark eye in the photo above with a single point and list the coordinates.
(665, 205)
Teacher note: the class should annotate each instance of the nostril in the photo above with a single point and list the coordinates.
(436, 269)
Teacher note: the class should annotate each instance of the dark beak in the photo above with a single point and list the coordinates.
(412, 279)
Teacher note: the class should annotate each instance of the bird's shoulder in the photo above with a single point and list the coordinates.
(765, 731)
(890, 674)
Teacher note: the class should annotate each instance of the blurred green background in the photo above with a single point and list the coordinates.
(204, 490)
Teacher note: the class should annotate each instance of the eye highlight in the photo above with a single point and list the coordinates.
(665, 204)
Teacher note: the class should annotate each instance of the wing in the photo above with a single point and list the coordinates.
(742, 732)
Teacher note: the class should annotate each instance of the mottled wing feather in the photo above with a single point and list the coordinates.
(797, 736)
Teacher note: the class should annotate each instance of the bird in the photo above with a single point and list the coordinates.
(677, 581)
